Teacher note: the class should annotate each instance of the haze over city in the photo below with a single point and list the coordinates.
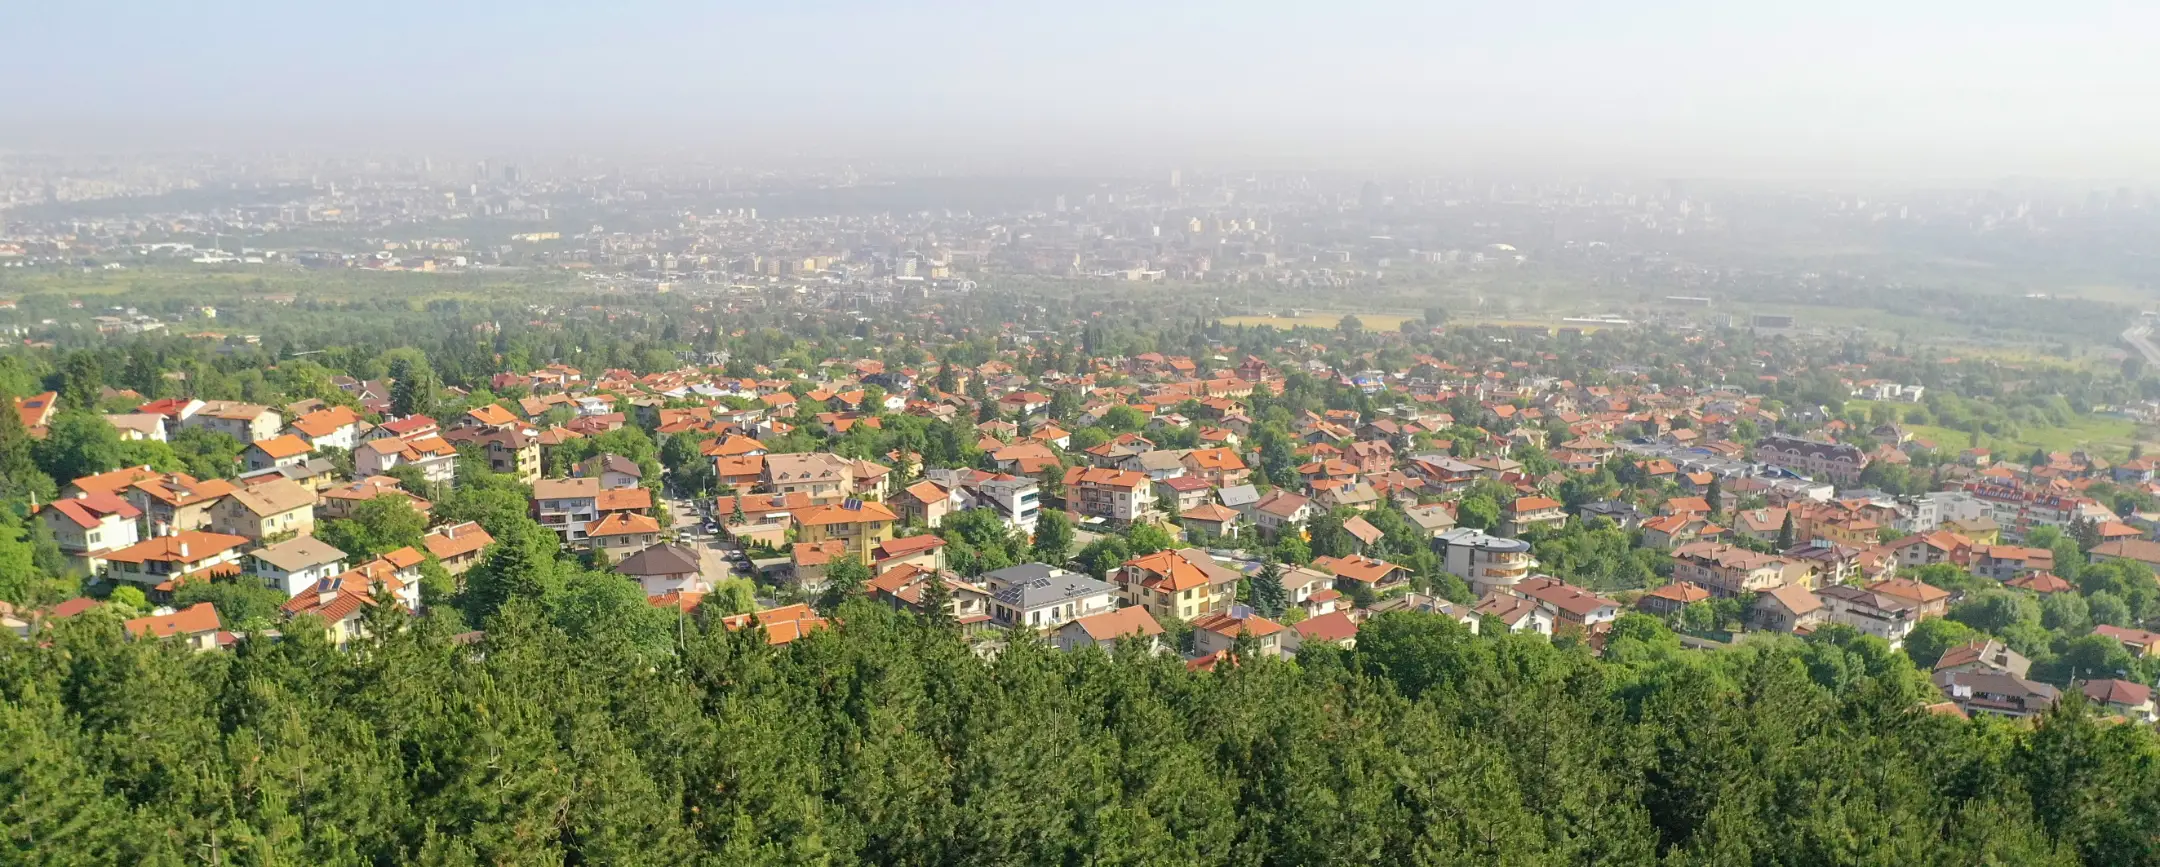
(1697, 89)
(975, 435)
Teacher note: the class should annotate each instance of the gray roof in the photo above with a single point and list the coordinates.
(1162, 459)
(611, 464)
(1035, 585)
(299, 552)
(1475, 538)
(660, 560)
(1015, 484)
(1239, 496)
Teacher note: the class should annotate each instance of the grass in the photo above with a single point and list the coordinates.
(1392, 321)
(2112, 436)
(103, 282)
(218, 283)
(1372, 321)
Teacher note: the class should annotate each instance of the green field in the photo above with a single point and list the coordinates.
(2109, 436)
(212, 283)
(1372, 321)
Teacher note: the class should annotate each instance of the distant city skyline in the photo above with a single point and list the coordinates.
(1696, 89)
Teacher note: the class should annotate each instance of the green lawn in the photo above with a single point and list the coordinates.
(2109, 436)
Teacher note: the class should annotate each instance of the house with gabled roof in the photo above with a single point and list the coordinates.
(664, 569)
(1927, 600)
(1281, 510)
(1886, 617)
(196, 626)
(1527, 513)
(1568, 603)
(906, 587)
(1787, 608)
(1118, 496)
(1210, 520)
(1184, 584)
(1220, 632)
(619, 534)
(1104, 630)
(2139, 642)
(925, 550)
(278, 451)
(115, 482)
(177, 502)
(1667, 600)
(1516, 613)
(36, 412)
(295, 564)
(783, 625)
(161, 563)
(245, 422)
(88, 526)
(1335, 629)
(859, 525)
(1985, 654)
(280, 507)
(341, 601)
(329, 427)
(1978, 692)
(824, 478)
(2132, 701)
(434, 456)
(1357, 569)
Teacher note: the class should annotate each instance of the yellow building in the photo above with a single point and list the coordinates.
(859, 525)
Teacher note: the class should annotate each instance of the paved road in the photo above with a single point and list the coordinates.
(2140, 338)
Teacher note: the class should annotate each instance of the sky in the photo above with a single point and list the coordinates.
(1826, 88)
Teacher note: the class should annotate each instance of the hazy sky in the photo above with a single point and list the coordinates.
(1971, 88)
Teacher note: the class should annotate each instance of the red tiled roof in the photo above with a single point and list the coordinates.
(1111, 625)
(1331, 627)
(840, 514)
(908, 546)
(1356, 568)
(782, 625)
(623, 499)
(91, 510)
(200, 546)
(283, 446)
(1224, 624)
(195, 619)
(622, 524)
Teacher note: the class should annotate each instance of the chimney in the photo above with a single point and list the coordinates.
(183, 550)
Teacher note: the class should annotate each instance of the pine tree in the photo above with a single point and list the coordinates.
(414, 385)
(1053, 537)
(20, 477)
(937, 603)
(1268, 595)
(1785, 533)
(2086, 533)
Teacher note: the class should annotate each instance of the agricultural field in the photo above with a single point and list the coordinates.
(1372, 321)
(2107, 435)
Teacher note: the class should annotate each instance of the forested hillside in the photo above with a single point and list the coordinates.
(887, 741)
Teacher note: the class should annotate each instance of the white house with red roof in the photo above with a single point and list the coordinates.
(89, 526)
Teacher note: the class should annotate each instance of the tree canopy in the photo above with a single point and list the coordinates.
(589, 727)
